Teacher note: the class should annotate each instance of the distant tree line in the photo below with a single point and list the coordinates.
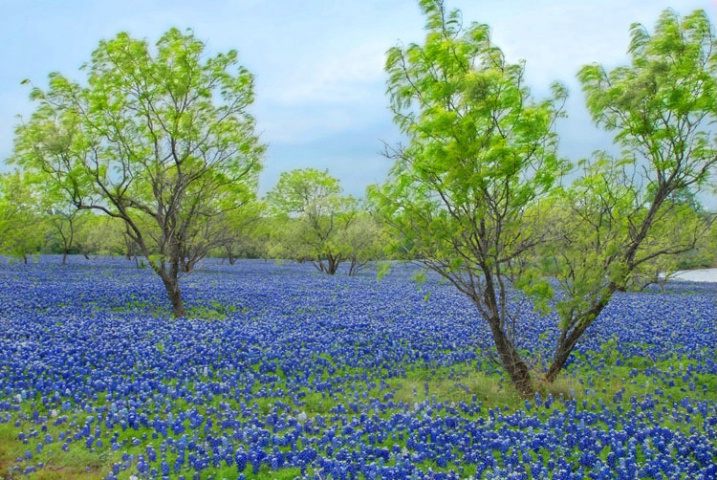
(329, 231)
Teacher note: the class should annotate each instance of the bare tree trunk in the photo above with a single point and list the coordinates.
(356, 265)
(188, 265)
(568, 340)
(517, 369)
(562, 353)
(230, 255)
(333, 264)
(171, 284)
(512, 362)
(64, 256)
(319, 264)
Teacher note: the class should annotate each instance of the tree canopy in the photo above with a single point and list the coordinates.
(23, 221)
(627, 216)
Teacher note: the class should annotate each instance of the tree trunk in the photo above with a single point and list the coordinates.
(562, 353)
(515, 366)
(187, 265)
(517, 369)
(230, 255)
(333, 264)
(171, 284)
(64, 257)
(567, 342)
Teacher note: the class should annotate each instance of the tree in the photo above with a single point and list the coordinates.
(63, 217)
(363, 240)
(473, 193)
(64, 224)
(481, 152)
(158, 138)
(246, 233)
(630, 218)
(23, 223)
(99, 235)
(313, 214)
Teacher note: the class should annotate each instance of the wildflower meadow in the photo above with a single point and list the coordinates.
(282, 372)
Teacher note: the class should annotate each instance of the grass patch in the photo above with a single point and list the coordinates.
(213, 311)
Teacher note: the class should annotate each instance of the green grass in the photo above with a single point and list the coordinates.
(77, 463)
(214, 311)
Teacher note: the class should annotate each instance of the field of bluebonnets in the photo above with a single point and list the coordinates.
(285, 373)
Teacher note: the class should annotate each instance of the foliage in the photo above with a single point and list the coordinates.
(330, 375)
(160, 139)
(23, 222)
(246, 232)
(364, 240)
(100, 235)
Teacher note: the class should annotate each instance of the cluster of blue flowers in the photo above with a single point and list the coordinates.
(299, 371)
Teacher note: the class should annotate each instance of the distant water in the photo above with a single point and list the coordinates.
(701, 275)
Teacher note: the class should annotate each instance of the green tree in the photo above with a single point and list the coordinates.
(473, 193)
(64, 223)
(313, 214)
(246, 233)
(63, 217)
(480, 153)
(630, 218)
(99, 235)
(158, 138)
(363, 239)
(23, 220)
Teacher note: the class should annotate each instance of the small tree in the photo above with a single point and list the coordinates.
(246, 233)
(313, 215)
(99, 235)
(64, 219)
(363, 240)
(159, 139)
(23, 221)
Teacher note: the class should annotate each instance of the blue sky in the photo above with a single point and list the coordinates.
(318, 64)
